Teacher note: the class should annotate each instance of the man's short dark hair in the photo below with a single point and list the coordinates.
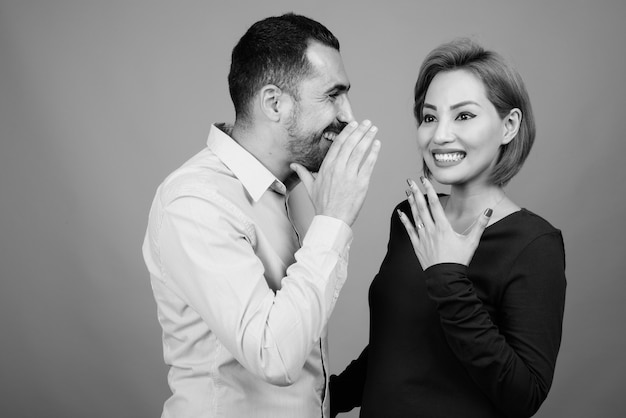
(273, 51)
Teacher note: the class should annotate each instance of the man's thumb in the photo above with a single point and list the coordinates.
(305, 176)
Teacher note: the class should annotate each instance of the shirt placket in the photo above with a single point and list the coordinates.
(293, 226)
(280, 188)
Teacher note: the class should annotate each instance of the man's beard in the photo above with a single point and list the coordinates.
(305, 148)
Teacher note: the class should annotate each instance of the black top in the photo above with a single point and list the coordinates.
(457, 341)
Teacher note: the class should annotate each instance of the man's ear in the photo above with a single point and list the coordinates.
(511, 125)
(274, 102)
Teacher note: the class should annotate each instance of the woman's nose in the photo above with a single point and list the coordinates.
(443, 133)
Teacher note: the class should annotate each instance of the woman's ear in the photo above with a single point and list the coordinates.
(273, 102)
(511, 124)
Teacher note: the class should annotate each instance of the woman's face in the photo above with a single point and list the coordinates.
(461, 131)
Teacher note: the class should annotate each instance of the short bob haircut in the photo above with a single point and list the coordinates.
(273, 51)
(504, 88)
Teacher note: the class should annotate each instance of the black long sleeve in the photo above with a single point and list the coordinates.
(513, 363)
(346, 389)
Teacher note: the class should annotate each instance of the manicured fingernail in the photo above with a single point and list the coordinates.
(488, 212)
(408, 193)
(373, 129)
(353, 124)
(367, 122)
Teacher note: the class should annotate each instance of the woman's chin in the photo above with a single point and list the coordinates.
(443, 178)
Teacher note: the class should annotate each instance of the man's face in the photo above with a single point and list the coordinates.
(323, 109)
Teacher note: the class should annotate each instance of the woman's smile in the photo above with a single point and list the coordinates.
(446, 158)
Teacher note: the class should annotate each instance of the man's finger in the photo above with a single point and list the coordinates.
(352, 141)
(305, 176)
(370, 161)
(339, 141)
(355, 160)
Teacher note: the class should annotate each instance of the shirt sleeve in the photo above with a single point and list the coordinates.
(512, 362)
(208, 254)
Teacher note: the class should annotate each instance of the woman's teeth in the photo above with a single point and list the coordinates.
(449, 157)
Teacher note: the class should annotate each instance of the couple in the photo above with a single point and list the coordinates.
(466, 310)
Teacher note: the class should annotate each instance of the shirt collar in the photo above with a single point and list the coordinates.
(254, 176)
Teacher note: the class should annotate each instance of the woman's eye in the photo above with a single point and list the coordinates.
(428, 118)
(465, 116)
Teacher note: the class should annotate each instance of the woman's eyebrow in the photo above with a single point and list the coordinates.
(461, 104)
(454, 106)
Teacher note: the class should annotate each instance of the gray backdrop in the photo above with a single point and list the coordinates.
(99, 100)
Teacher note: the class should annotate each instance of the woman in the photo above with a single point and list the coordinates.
(467, 308)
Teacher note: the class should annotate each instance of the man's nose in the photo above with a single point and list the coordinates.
(345, 110)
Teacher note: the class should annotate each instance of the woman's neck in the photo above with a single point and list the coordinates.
(469, 199)
(465, 204)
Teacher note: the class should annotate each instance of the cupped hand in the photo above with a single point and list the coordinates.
(339, 188)
(434, 241)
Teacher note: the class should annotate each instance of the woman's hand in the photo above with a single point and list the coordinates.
(433, 238)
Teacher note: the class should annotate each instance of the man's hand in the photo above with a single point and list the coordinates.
(340, 187)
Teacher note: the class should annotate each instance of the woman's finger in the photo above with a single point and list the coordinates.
(422, 208)
(409, 228)
(416, 218)
(433, 200)
(479, 225)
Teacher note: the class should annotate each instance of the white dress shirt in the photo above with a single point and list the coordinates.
(243, 305)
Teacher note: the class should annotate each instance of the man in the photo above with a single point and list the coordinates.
(244, 294)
